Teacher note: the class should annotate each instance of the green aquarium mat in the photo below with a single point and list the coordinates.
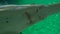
(46, 2)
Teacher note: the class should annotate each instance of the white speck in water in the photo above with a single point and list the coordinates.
(54, 2)
(50, 4)
(56, 15)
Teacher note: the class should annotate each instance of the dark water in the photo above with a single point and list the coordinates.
(2, 2)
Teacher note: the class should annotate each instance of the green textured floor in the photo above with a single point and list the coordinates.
(40, 1)
(50, 25)
(46, 2)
